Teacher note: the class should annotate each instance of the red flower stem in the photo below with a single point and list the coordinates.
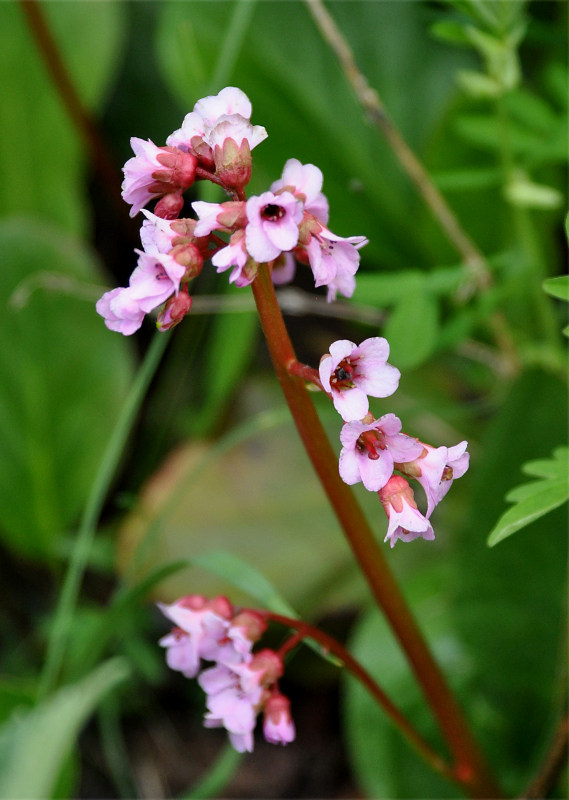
(306, 373)
(331, 645)
(470, 767)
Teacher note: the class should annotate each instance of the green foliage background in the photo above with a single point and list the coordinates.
(212, 461)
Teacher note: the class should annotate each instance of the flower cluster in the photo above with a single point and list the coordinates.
(240, 684)
(373, 448)
(287, 222)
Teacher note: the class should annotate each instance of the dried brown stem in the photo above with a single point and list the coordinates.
(480, 274)
(554, 762)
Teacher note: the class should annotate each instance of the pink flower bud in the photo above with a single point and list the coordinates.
(278, 727)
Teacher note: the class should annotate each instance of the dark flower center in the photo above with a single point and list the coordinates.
(272, 212)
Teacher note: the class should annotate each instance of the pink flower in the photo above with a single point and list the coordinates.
(208, 112)
(405, 521)
(272, 226)
(154, 171)
(370, 451)
(278, 726)
(219, 216)
(334, 260)
(120, 311)
(235, 127)
(436, 469)
(156, 234)
(229, 706)
(283, 269)
(305, 182)
(200, 627)
(156, 277)
(235, 255)
(351, 373)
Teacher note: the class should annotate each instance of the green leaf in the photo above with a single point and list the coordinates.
(523, 192)
(557, 287)
(535, 499)
(62, 384)
(552, 495)
(44, 174)
(243, 576)
(35, 744)
(412, 329)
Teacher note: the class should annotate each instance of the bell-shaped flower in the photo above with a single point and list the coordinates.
(272, 226)
(155, 171)
(405, 520)
(235, 255)
(334, 260)
(278, 726)
(305, 182)
(351, 372)
(436, 468)
(121, 311)
(370, 451)
(207, 112)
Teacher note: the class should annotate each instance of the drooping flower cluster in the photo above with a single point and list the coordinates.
(287, 222)
(240, 684)
(373, 448)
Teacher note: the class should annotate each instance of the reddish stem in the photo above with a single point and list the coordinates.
(331, 645)
(306, 373)
(470, 766)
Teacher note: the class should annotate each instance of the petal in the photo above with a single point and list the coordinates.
(376, 472)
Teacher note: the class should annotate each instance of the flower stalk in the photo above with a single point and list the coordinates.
(470, 768)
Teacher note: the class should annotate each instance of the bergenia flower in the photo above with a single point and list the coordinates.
(351, 372)
(272, 226)
(278, 727)
(235, 255)
(305, 182)
(405, 521)
(370, 451)
(121, 311)
(436, 468)
(156, 234)
(334, 260)
(154, 171)
(199, 628)
(155, 279)
(218, 216)
(207, 112)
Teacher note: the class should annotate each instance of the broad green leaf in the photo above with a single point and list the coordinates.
(383, 761)
(34, 744)
(552, 495)
(557, 467)
(63, 381)
(230, 349)
(412, 329)
(557, 287)
(535, 499)
(243, 576)
(503, 592)
(42, 159)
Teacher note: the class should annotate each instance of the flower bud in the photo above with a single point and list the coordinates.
(174, 311)
(169, 206)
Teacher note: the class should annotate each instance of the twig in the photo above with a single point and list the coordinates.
(481, 276)
(554, 762)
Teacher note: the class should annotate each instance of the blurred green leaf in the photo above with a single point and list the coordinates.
(557, 287)
(412, 328)
(533, 500)
(63, 381)
(35, 744)
(385, 764)
(523, 192)
(229, 350)
(41, 158)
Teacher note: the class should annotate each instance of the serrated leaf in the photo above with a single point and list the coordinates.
(557, 287)
(35, 744)
(556, 467)
(553, 494)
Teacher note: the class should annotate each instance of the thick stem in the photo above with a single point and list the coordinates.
(470, 767)
(331, 645)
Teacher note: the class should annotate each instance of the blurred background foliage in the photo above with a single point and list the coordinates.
(479, 91)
